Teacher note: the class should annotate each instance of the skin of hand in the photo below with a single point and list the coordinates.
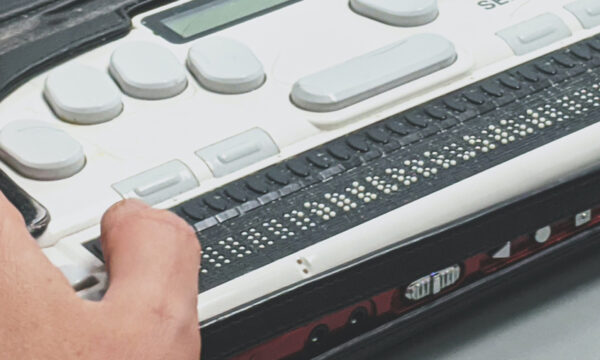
(149, 311)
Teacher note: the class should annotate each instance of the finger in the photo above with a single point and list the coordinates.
(152, 257)
(21, 259)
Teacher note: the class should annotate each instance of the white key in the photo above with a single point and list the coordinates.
(586, 11)
(40, 151)
(82, 95)
(158, 184)
(225, 66)
(534, 33)
(238, 151)
(373, 73)
(147, 71)
(398, 12)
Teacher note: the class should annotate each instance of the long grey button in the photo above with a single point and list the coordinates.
(371, 74)
(158, 184)
(225, 66)
(82, 95)
(535, 33)
(238, 152)
(40, 151)
(586, 11)
(398, 12)
(148, 71)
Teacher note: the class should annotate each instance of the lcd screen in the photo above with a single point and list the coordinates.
(215, 14)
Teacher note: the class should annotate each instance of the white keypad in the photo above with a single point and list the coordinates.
(39, 151)
(225, 66)
(586, 11)
(238, 151)
(398, 12)
(368, 75)
(535, 33)
(83, 95)
(147, 71)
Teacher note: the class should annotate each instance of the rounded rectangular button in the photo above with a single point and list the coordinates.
(238, 152)
(40, 151)
(82, 95)
(158, 184)
(225, 66)
(586, 11)
(147, 71)
(373, 73)
(535, 33)
(398, 13)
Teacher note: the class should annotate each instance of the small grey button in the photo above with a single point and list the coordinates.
(398, 12)
(535, 33)
(225, 66)
(148, 71)
(373, 73)
(82, 95)
(586, 11)
(238, 152)
(158, 184)
(40, 151)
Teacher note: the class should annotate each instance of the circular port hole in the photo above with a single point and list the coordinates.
(318, 335)
(358, 316)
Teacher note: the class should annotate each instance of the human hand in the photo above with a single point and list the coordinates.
(149, 311)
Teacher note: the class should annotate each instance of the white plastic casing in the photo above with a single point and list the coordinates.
(291, 43)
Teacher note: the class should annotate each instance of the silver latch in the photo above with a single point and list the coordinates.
(433, 283)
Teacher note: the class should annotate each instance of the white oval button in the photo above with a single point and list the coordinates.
(40, 151)
(373, 73)
(147, 71)
(398, 12)
(225, 66)
(82, 95)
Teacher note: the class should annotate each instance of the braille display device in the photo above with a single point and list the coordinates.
(351, 167)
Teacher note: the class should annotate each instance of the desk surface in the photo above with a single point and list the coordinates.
(556, 317)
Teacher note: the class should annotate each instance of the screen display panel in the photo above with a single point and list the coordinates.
(197, 18)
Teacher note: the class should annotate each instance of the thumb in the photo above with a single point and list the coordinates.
(152, 257)
(24, 270)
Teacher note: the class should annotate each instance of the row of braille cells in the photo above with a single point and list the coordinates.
(404, 129)
(393, 179)
(504, 132)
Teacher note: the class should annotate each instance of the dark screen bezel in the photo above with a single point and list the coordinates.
(155, 22)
